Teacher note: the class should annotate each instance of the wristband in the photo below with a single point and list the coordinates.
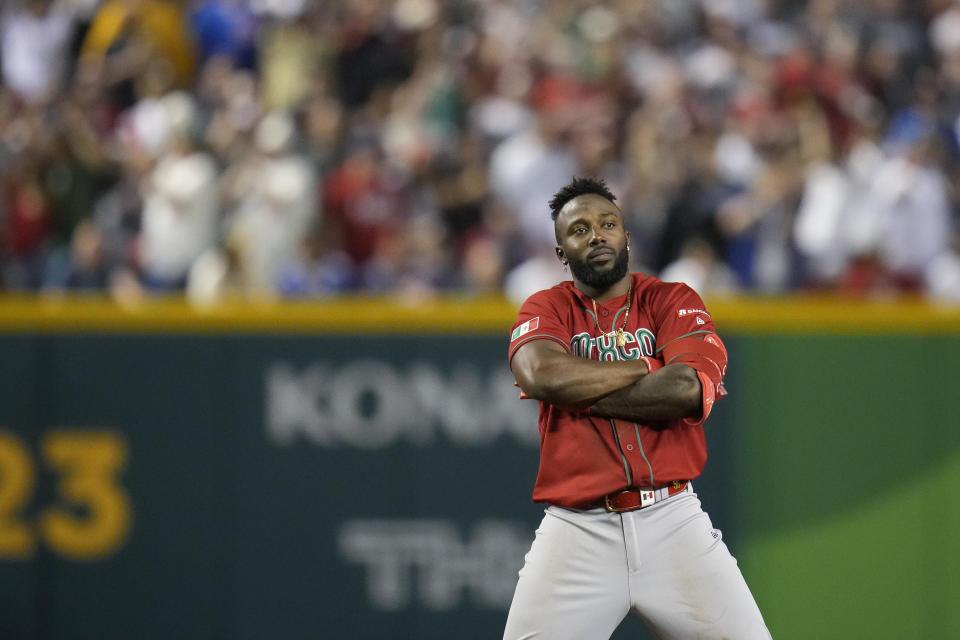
(708, 397)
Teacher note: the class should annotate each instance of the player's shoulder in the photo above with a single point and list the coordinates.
(558, 294)
(662, 297)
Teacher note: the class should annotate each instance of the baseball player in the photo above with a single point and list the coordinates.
(626, 368)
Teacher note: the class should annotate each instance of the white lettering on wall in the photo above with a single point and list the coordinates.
(371, 404)
(425, 562)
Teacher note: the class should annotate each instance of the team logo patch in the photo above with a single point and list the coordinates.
(526, 327)
(690, 312)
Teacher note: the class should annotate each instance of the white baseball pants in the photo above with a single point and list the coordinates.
(587, 569)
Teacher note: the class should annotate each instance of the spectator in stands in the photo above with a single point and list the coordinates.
(225, 28)
(942, 274)
(180, 199)
(35, 37)
(532, 164)
(700, 268)
(904, 219)
(138, 40)
(316, 270)
(365, 202)
(88, 270)
(277, 208)
(757, 224)
(28, 227)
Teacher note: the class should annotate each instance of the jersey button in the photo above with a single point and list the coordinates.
(605, 313)
(629, 447)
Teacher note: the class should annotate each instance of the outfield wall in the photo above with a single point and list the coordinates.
(356, 469)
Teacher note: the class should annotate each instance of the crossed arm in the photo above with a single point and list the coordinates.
(624, 389)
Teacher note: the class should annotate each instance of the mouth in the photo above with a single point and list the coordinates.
(600, 255)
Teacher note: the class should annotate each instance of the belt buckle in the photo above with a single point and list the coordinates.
(647, 498)
(610, 507)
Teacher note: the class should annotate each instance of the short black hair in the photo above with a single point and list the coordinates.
(578, 187)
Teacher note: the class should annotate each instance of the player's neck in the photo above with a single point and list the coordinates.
(618, 288)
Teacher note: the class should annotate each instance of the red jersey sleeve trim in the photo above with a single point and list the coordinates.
(686, 335)
(697, 361)
(537, 336)
(708, 396)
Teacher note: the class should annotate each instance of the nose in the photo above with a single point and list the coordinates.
(596, 236)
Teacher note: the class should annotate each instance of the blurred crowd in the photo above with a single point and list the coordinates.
(309, 148)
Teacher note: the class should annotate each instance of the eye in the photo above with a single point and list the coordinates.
(609, 225)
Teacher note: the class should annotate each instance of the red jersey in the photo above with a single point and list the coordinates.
(584, 457)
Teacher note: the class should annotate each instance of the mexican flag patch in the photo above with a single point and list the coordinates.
(526, 327)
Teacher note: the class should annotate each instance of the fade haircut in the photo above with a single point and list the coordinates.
(579, 187)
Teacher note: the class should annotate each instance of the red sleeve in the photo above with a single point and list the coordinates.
(538, 320)
(686, 334)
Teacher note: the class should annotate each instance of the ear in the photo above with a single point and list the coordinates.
(561, 256)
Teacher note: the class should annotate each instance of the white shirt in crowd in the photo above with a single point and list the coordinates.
(34, 51)
(179, 215)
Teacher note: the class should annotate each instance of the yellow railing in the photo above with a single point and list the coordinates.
(753, 315)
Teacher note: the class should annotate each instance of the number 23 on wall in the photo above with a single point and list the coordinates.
(91, 515)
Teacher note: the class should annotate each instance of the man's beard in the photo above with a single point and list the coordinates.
(601, 280)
